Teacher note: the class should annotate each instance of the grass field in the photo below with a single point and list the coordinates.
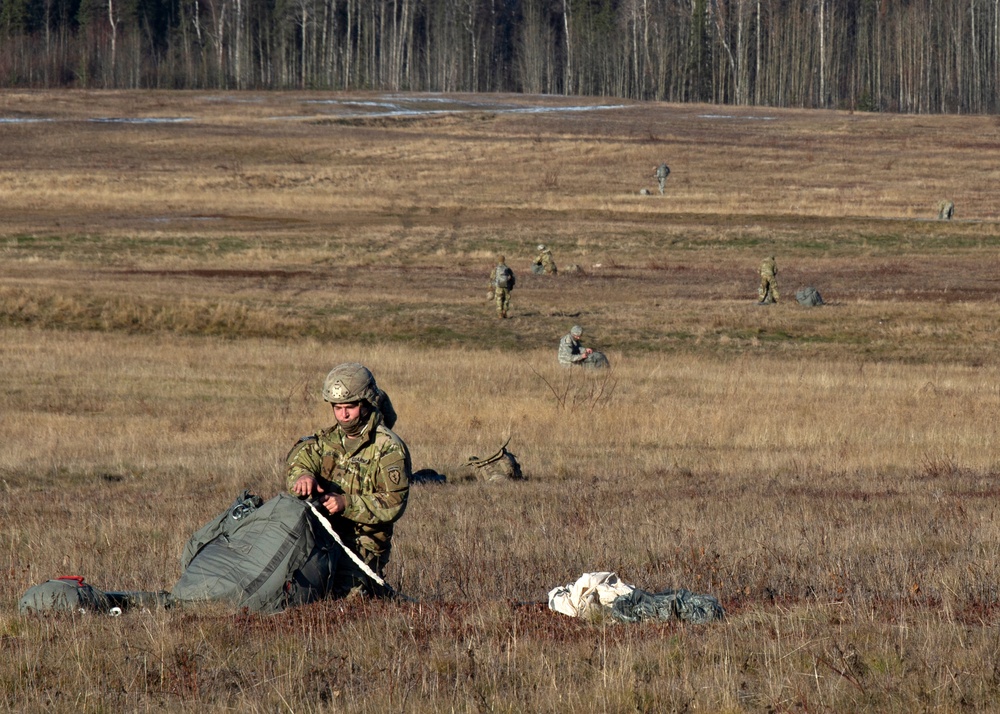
(180, 270)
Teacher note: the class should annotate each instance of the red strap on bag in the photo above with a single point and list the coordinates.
(77, 578)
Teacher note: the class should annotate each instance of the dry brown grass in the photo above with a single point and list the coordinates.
(171, 296)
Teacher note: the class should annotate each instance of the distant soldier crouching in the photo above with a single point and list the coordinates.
(574, 354)
(544, 262)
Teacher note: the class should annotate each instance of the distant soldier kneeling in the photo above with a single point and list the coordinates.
(544, 263)
(574, 354)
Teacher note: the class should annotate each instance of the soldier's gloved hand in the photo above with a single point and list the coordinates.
(306, 485)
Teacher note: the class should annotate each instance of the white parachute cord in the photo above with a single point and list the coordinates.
(354, 556)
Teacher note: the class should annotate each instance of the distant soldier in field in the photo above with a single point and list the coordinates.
(661, 173)
(574, 354)
(768, 290)
(946, 209)
(543, 262)
(501, 284)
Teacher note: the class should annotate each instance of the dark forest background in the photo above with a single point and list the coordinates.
(940, 56)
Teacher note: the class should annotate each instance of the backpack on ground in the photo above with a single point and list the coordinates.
(69, 593)
(596, 360)
(64, 594)
(264, 556)
(504, 278)
(809, 297)
(501, 466)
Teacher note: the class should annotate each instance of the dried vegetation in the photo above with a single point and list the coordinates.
(171, 295)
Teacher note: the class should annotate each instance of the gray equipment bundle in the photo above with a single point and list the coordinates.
(264, 556)
(639, 606)
(69, 593)
(809, 297)
(596, 360)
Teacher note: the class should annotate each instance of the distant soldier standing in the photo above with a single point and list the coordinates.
(501, 284)
(661, 173)
(768, 290)
(946, 209)
(544, 262)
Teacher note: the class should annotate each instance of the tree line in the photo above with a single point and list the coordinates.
(926, 56)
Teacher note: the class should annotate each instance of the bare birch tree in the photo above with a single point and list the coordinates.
(113, 24)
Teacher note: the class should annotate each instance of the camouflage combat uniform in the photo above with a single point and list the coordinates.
(661, 173)
(768, 290)
(501, 295)
(373, 472)
(546, 263)
(571, 352)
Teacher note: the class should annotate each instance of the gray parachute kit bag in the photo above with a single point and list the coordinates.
(69, 593)
(264, 556)
(596, 360)
(501, 466)
(809, 297)
(64, 594)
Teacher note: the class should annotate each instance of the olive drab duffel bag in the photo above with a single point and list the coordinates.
(501, 466)
(264, 556)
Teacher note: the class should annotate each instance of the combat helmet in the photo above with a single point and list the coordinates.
(576, 330)
(350, 382)
(541, 247)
